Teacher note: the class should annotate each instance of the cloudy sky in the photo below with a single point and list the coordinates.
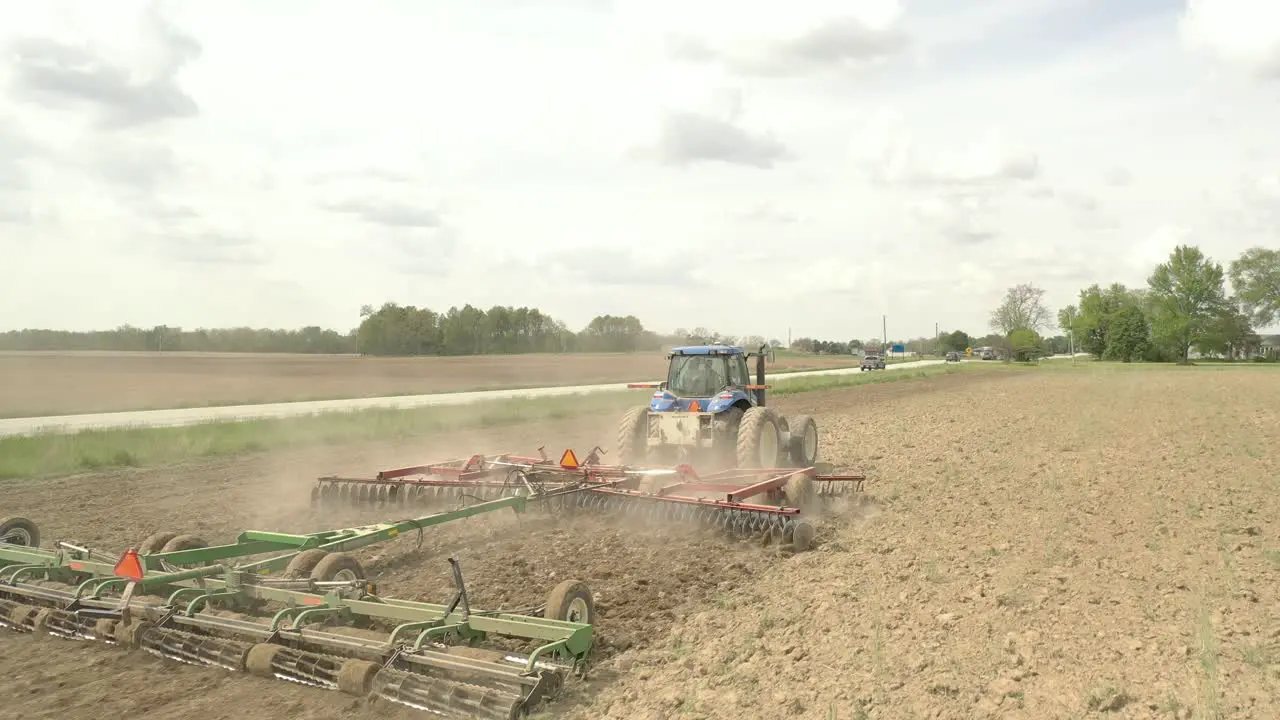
(811, 167)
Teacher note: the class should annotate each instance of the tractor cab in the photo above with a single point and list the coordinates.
(712, 377)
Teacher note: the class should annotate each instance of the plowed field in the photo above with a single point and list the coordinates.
(1043, 544)
(49, 383)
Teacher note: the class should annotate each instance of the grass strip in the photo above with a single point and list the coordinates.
(61, 453)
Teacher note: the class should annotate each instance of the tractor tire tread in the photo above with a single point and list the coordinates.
(183, 542)
(750, 432)
(304, 562)
(334, 563)
(155, 542)
(796, 449)
(633, 436)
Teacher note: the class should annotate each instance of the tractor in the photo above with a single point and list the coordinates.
(709, 406)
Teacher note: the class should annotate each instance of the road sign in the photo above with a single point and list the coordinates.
(899, 348)
(968, 351)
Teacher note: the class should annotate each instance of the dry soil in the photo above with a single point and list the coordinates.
(1051, 544)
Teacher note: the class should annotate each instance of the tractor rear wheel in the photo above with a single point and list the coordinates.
(758, 439)
(633, 436)
(803, 443)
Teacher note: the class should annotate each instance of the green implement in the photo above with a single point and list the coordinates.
(305, 612)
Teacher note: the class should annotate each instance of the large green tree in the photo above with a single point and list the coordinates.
(1186, 296)
(1100, 308)
(1255, 277)
(1128, 335)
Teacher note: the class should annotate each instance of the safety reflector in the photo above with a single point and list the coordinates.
(695, 407)
(568, 460)
(129, 566)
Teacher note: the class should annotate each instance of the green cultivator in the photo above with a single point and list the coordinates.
(299, 608)
(769, 503)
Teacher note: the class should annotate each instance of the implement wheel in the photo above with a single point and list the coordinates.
(19, 531)
(183, 542)
(155, 542)
(304, 562)
(571, 600)
(338, 567)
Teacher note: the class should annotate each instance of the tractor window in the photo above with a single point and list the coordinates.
(697, 376)
(738, 374)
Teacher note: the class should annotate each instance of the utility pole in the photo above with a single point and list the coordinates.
(884, 332)
(935, 339)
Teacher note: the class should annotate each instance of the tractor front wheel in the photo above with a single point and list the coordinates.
(758, 439)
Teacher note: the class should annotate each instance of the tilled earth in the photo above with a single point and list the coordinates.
(1052, 544)
(58, 383)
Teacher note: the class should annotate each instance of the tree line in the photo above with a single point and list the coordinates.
(957, 340)
(390, 330)
(1185, 307)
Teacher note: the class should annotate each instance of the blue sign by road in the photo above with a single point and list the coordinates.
(899, 348)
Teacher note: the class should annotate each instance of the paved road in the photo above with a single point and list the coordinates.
(194, 416)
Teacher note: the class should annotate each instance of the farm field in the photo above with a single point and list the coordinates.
(1104, 543)
(37, 384)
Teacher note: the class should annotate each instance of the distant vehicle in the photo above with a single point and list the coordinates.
(872, 362)
(953, 356)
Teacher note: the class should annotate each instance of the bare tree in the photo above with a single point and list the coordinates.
(1023, 309)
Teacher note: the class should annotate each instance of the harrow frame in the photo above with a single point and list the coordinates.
(783, 497)
(171, 604)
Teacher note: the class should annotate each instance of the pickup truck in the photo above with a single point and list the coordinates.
(872, 362)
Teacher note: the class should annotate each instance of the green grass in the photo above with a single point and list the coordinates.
(1091, 365)
(62, 453)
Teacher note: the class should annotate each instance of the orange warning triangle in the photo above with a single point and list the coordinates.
(695, 407)
(130, 566)
(568, 460)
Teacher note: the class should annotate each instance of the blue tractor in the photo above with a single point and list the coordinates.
(709, 405)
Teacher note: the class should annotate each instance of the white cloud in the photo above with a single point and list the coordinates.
(1245, 33)
(813, 165)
